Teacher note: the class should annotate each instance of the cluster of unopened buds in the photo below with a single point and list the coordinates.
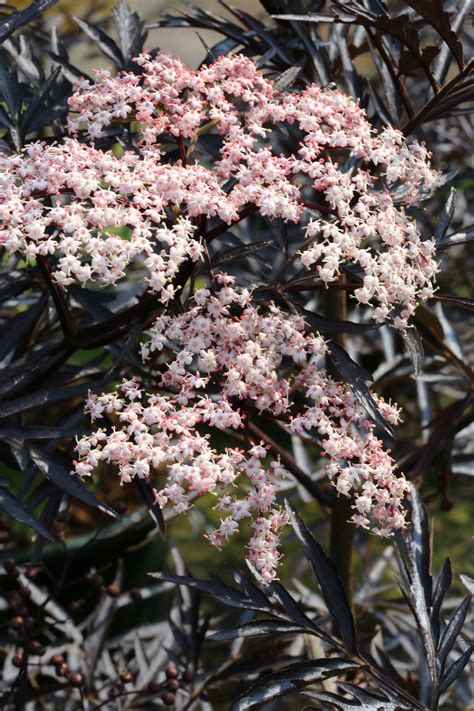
(98, 212)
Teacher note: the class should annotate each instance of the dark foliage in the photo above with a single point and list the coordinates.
(91, 637)
(409, 67)
(343, 653)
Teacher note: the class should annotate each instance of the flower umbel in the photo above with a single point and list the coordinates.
(72, 199)
(227, 361)
(217, 358)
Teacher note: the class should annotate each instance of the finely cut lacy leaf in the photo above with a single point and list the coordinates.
(326, 574)
(293, 678)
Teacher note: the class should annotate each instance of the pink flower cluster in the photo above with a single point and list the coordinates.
(217, 363)
(223, 359)
(73, 200)
(92, 196)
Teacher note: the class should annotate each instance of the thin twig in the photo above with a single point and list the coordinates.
(224, 226)
(319, 287)
(323, 209)
(182, 150)
(65, 318)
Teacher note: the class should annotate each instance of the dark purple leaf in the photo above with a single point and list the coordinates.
(14, 508)
(419, 544)
(415, 563)
(71, 73)
(415, 348)
(46, 397)
(453, 629)
(230, 596)
(47, 518)
(237, 253)
(256, 629)
(263, 34)
(13, 283)
(105, 43)
(455, 669)
(446, 216)
(370, 700)
(366, 701)
(410, 64)
(352, 78)
(10, 91)
(391, 83)
(67, 482)
(21, 50)
(442, 586)
(468, 583)
(318, 57)
(316, 17)
(20, 18)
(254, 593)
(195, 17)
(27, 434)
(39, 99)
(153, 509)
(459, 301)
(443, 62)
(327, 576)
(354, 375)
(293, 610)
(436, 14)
(130, 29)
(327, 325)
(382, 111)
(288, 78)
(290, 680)
(220, 49)
(20, 329)
(26, 379)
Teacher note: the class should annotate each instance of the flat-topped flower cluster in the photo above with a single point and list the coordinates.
(68, 199)
(226, 358)
(223, 358)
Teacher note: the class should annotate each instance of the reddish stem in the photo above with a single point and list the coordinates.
(323, 209)
(319, 287)
(224, 226)
(250, 209)
(181, 150)
(65, 318)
